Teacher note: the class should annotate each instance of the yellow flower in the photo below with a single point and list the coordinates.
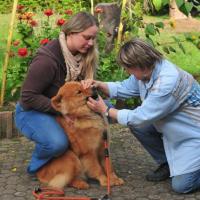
(172, 23)
(194, 37)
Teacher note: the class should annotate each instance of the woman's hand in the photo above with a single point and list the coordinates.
(98, 84)
(89, 83)
(97, 105)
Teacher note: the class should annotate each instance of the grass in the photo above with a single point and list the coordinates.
(189, 61)
(4, 29)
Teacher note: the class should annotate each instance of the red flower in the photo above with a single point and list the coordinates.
(20, 7)
(68, 12)
(44, 41)
(33, 23)
(48, 12)
(16, 43)
(99, 10)
(60, 22)
(22, 52)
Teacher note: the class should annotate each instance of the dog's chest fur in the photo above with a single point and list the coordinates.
(85, 134)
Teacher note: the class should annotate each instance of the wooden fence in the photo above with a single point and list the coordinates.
(7, 125)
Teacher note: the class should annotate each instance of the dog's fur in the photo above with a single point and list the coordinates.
(86, 153)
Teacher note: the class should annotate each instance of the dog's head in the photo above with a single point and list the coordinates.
(71, 99)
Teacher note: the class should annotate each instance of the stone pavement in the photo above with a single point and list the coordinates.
(129, 159)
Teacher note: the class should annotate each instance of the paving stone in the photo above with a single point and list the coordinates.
(130, 160)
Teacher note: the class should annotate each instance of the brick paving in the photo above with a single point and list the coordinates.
(129, 159)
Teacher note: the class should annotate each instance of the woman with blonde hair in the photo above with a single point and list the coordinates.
(72, 56)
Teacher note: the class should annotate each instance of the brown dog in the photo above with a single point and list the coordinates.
(85, 133)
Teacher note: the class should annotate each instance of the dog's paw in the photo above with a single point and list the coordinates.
(79, 184)
(103, 180)
(115, 180)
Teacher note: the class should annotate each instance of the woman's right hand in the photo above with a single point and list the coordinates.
(89, 83)
(98, 84)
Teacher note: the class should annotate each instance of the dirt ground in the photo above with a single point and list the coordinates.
(183, 25)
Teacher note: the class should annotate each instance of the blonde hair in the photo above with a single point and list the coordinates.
(78, 23)
(138, 54)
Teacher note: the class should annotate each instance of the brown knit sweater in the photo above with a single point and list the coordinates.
(46, 74)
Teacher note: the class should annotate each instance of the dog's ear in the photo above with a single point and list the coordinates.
(56, 102)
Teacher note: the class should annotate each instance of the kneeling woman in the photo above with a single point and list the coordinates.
(73, 56)
(168, 121)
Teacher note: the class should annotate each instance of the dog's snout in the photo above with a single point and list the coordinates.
(94, 93)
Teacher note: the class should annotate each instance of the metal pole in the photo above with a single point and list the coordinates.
(5, 65)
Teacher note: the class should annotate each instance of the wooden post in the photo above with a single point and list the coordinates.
(5, 65)
(119, 36)
(92, 7)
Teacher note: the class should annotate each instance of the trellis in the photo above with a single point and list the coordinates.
(5, 65)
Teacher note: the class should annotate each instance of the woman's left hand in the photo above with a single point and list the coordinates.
(97, 105)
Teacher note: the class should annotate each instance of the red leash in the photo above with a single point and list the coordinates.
(55, 194)
(45, 193)
(107, 160)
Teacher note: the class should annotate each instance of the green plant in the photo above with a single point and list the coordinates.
(32, 33)
(108, 69)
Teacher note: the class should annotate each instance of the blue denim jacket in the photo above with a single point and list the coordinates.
(171, 102)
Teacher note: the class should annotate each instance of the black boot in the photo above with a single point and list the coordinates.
(160, 174)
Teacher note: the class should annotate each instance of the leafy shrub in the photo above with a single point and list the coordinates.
(35, 5)
(33, 33)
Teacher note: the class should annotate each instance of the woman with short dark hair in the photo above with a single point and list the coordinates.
(167, 123)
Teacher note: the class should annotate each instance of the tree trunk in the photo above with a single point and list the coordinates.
(174, 12)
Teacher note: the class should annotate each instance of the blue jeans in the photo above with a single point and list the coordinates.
(151, 140)
(186, 183)
(49, 137)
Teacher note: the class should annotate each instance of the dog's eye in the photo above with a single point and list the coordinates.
(79, 92)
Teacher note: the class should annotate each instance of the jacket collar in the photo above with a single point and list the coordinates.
(154, 75)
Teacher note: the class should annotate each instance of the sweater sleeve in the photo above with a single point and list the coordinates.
(40, 75)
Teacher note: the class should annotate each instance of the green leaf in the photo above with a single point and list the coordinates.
(172, 49)
(179, 3)
(150, 30)
(198, 45)
(197, 7)
(166, 50)
(157, 4)
(186, 8)
(165, 2)
(159, 24)
(176, 39)
(150, 41)
(181, 47)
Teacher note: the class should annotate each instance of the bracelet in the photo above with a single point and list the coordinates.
(107, 111)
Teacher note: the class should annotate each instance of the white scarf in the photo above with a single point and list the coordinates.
(74, 64)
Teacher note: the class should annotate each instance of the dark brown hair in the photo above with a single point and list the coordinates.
(137, 53)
